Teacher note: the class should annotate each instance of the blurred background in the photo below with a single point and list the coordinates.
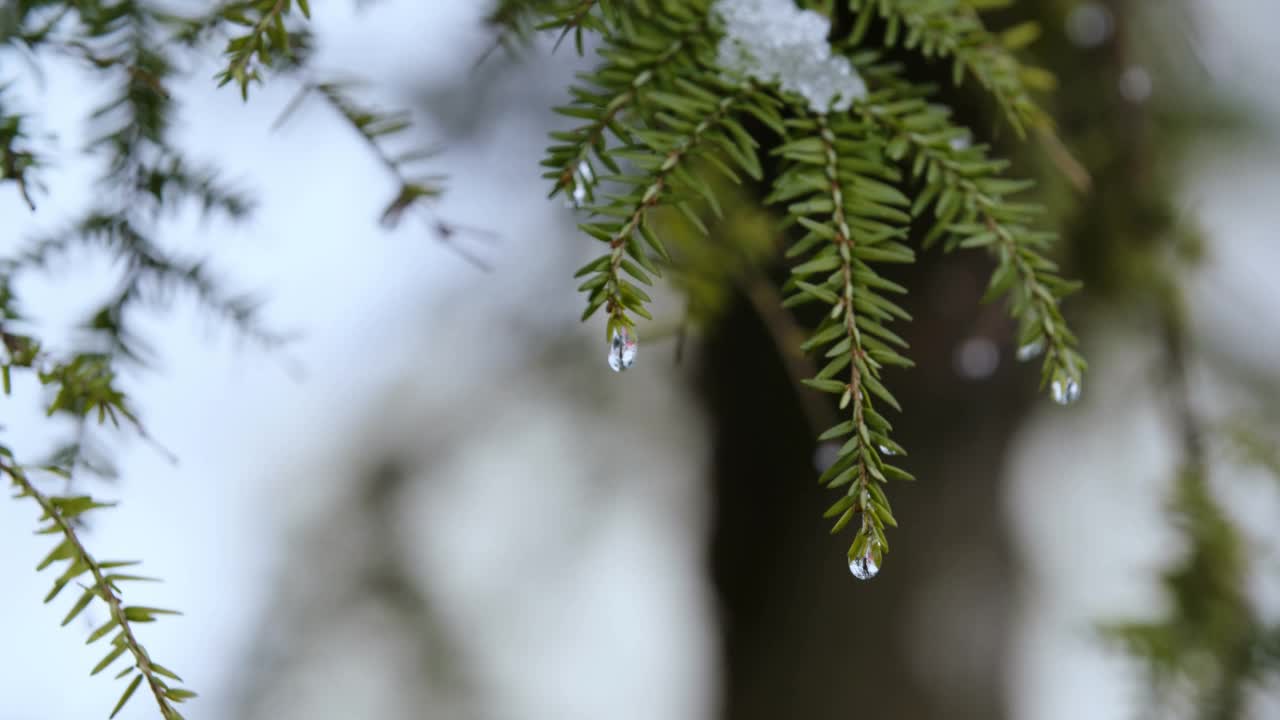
(438, 502)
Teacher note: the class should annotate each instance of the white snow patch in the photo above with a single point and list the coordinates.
(774, 41)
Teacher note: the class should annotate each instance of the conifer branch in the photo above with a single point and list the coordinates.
(602, 16)
(840, 179)
(145, 179)
(515, 19)
(266, 37)
(573, 19)
(952, 29)
(971, 207)
(844, 242)
(148, 268)
(582, 142)
(660, 119)
(1212, 572)
(668, 103)
(848, 217)
(622, 295)
(59, 512)
(375, 127)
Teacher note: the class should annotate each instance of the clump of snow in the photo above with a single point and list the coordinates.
(774, 41)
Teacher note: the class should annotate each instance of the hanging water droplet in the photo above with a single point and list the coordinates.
(1031, 350)
(582, 178)
(622, 350)
(887, 450)
(865, 566)
(1066, 391)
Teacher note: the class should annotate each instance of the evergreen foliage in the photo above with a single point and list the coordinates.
(659, 113)
(664, 139)
(135, 48)
(60, 515)
(1211, 647)
(658, 121)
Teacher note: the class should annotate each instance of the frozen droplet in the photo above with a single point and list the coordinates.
(1135, 84)
(865, 567)
(1066, 391)
(582, 179)
(1031, 350)
(977, 358)
(622, 350)
(1089, 24)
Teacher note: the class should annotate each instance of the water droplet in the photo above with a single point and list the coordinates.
(865, 566)
(887, 450)
(622, 350)
(582, 179)
(1031, 350)
(1066, 391)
